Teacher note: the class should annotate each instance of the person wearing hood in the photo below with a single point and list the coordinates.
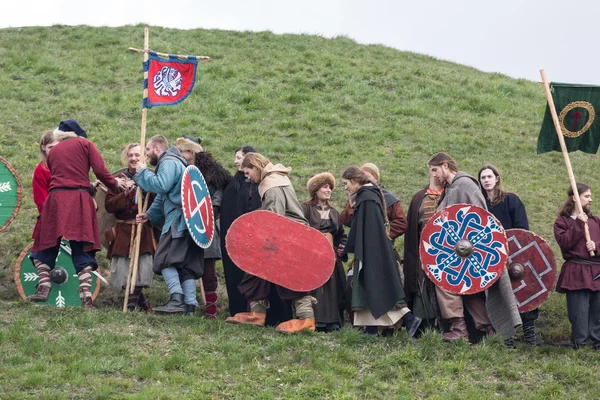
(177, 258)
(70, 210)
(216, 178)
(494, 310)
(377, 298)
(278, 196)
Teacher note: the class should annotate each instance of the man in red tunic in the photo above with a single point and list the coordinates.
(70, 211)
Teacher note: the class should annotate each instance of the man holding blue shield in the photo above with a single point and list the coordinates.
(178, 259)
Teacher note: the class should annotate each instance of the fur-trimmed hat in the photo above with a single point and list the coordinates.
(189, 143)
(372, 169)
(70, 125)
(318, 181)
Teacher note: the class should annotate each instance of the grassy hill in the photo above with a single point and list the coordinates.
(313, 104)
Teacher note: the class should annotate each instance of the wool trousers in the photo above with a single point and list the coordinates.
(583, 308)
(453, 306)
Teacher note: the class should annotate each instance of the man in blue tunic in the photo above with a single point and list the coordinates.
(178, 259)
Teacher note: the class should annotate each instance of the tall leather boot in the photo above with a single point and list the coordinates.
(211, 305)
(174, 305)
(85, 287)
(144, 303)
(458, 330)
(44, 286)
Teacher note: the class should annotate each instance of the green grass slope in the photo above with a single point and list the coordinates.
(313, 104)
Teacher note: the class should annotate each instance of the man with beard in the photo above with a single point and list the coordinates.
(178, 259)
(497, 309)
(216, 178)
(579, 274)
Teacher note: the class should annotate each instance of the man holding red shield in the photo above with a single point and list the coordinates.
(178, 259)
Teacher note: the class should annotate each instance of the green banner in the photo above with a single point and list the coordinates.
(10, 193)
(576, 107)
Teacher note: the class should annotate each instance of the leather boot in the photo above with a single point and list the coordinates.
(144, 304)
(41, 295)
(458, 330)
(249, 318)
(85, 287)
(297, 325)
(489, 330)
(174, 305)
(189, 310)
(44, 287)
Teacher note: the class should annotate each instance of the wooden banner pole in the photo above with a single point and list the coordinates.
(565, 153)
(135, 252)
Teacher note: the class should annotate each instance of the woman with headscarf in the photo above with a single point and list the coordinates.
(322, 216)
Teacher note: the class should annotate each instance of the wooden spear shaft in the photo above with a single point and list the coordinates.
(131, 253)
(565, 153)
(141, 208)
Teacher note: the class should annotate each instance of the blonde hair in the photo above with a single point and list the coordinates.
(255, 160)
(47, 138)
(125, 152)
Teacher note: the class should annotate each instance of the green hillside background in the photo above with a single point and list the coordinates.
(311, 103)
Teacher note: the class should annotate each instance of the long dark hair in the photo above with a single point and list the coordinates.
(569, 205)
(500, 194)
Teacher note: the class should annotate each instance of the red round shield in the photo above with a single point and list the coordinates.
(197, 207)
(531, 251)
(463, 249)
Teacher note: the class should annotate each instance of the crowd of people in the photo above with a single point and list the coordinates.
(381, 290)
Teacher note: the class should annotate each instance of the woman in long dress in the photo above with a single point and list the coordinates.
(322, 216)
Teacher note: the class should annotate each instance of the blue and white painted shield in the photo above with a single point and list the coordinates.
(197, 207)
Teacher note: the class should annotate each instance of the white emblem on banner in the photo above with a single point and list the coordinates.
(167, 82)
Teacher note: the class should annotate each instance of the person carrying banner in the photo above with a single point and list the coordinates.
(496, 310)
(40, 183)
(70, 210)
(278, 196)
(321, 215)
(511, 213)
(579, 276)
(216, 178)
(377, 293)
(177, 258)
(123, 204)
(420, 291)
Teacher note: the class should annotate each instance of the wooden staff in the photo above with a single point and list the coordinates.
(131, 252)
(563, 147)
(167, 55)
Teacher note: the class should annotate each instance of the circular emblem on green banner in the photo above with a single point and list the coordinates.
(65, 291)
(10, 194)
(575, 117)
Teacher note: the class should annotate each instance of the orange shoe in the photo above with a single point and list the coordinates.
(297, 325)
(250, 318)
